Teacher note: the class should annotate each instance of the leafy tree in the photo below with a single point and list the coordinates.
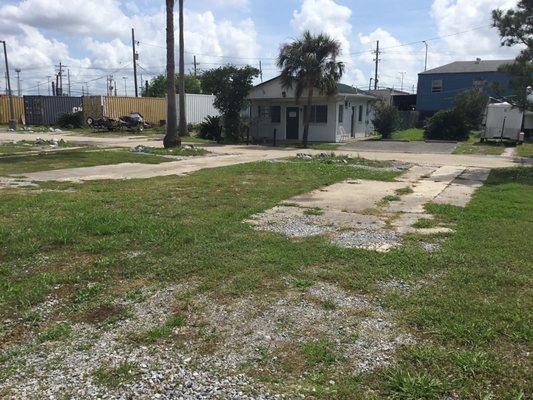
(446, 125)
(516, 28)
(171, 138)
(230, 85)
(386, 119)
(472, 104)
(310, 63)
(157, 87)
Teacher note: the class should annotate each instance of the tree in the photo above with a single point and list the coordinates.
(230, 85)
(182, 116)
(157, 87)
(516, 28)
(310, 63)
(471, 103)
(446, 125)
(386, 119)
(171, 137)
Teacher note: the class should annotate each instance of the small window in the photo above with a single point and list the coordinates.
(360, 116)
(341, 111)
(319, 114)
(436, 86)
(275, 114)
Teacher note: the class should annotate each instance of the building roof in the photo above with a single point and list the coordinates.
(468, 66)
(342, 88)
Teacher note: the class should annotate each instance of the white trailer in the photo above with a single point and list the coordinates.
(503, 121)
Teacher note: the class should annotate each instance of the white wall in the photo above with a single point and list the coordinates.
(197, 107)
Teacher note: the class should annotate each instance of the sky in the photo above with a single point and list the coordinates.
(93, 37)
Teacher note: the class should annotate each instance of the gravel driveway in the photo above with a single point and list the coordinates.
(402, 147)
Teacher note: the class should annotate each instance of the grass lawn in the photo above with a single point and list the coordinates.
(28, 145)
(72, 159)
(409, 134)
(472, 327)
(474, 146)
(525, 149)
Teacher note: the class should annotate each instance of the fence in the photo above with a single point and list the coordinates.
(153, 109)
(45, 110)
(18, 105)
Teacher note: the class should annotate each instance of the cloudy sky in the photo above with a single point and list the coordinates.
(93, 37)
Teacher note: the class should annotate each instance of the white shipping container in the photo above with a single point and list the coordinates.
(197, 107)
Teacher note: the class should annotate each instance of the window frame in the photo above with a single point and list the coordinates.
(435, 88)
(341, 113)
(360, 113)
(273, 113)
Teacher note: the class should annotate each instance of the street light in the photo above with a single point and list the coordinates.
(12, 121)
(125, 90)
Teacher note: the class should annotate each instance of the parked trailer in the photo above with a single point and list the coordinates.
(45, 110)
(503, 121)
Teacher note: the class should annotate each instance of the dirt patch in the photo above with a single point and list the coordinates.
(101, 313)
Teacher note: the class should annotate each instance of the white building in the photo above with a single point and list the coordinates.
(333, 118)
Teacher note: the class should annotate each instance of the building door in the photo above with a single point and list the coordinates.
(292, 127)
(353, 117)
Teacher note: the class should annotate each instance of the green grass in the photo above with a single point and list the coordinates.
(158, 333)
(72, 159)
(56, 332)
(115, 377)
(474, 146)
(404, 190)
(313, 211)
(525, 149)
(424, 223)
(472, 326)
(29, 145)
(415, 134)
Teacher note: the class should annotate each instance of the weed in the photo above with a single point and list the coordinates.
(329, 304)
(424, 223)
(404, 385)
(114, 377)
(404, 190)
(319, 352)
(313, 211)
(160, 332)
(59, 331)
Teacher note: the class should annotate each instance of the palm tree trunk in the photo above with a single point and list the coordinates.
(307, 114)
(171, 138)
(183, 118)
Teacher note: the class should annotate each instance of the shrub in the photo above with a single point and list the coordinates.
(193, 127)
(471, 103)
(70, 120)
(211, 128)
(386, 119)
(446, 125)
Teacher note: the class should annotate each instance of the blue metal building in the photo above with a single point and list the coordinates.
(437, 87)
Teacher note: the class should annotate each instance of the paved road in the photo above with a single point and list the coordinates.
(228, 155)
(416, 147)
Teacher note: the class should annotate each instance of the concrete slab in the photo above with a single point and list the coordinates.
(405, 147)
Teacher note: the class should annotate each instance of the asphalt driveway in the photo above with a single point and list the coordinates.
(417, 147)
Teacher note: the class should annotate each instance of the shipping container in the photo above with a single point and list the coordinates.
(93, 106)
(18, 105)
(45, 110)
(197, 107)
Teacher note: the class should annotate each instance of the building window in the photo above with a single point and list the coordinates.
(275, 114)
(360, 116)
(319, 114)
(436, 86)
(341, 111)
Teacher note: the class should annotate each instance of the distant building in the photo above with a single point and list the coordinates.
(386, 94)
(437, 87)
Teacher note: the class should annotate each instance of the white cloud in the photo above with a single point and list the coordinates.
(327, 16)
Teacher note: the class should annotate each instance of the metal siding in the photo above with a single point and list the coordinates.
(18, 105)
(153, 109)
(45, 110)
(93, 107)
(197, 107)
(452, 85)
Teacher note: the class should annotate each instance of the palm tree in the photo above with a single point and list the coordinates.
(183, 119)
(310, 63)
(171, 137)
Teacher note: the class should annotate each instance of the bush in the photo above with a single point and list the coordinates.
(193, 127)
(211, 128)
(471, 103)
(386, 119)
(70, 120)
(446, 125)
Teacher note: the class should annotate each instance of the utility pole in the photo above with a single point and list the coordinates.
(48, 77)
(68, 80)
(194, 63)
(82, 91)
(377, 63)
(402, 74)
(87, 84)
(426, 60)
(135, 58)
(54, 88)
(260, 71)
(17, 70)
(140, 87)
(12, 121)
(38, 91)
(60, 80)
(125, 90)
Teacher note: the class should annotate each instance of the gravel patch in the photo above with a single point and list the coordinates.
(381, 240)
(430, 247)
(289, 225)
(396, 284)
